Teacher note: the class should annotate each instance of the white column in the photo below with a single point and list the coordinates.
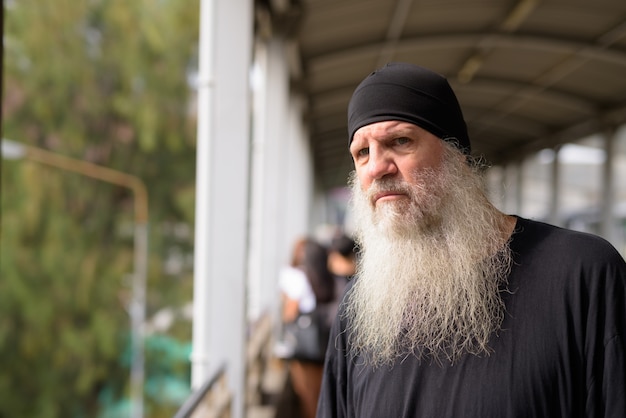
(607, 221)
(282, 173)
(269, 171)
(202, 285)
(511, 182)
(300, 185)
(276, 199)
(257, 191)
(222, 194)
(554, 206)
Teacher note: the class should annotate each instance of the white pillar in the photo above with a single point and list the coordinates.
(300, 185)
(282, 173)
(222, 194)
(202, 286)
(275, 200)
(512, 174)
(607, 222)
(259, 122)
(554, 205)
(269, 171)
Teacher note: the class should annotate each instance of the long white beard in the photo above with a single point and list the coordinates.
(430, 268)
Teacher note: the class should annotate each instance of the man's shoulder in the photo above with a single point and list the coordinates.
(540, 236)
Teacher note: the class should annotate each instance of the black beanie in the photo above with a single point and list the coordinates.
(409, 93)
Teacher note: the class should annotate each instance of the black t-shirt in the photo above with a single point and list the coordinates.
(559, 353)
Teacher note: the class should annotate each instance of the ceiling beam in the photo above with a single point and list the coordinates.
(594, 51)
(394, 31)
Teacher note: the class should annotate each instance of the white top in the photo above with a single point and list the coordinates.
(293, 282)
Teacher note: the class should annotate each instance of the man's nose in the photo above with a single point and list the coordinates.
(381, 164)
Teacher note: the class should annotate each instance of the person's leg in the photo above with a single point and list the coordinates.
(307, 380)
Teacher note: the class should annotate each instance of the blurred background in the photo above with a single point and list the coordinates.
(108, 83)
(160, 158)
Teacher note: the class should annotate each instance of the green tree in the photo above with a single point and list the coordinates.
(105, 81)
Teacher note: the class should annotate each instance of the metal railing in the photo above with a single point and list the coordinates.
(212, 399)
(264, 378)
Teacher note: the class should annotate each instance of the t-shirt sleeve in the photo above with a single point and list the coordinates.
(292, 283)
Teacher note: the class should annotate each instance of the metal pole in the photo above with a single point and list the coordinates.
(200, 366)
(138, 318)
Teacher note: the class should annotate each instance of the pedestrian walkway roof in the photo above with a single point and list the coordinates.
(529, 74)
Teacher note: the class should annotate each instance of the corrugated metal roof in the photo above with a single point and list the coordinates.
(529, 74)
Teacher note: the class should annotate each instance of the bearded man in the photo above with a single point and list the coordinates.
(456, 309)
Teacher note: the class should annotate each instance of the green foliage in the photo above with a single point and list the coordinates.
(103, 81)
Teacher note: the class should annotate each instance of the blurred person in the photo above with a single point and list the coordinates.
(308, 289)
(457, 309)
(342, 255)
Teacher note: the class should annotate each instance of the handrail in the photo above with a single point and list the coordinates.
(264, 379)
(190, 405)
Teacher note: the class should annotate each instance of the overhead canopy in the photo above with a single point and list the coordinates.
(529, 74)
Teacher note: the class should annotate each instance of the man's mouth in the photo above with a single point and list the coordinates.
(388, 195)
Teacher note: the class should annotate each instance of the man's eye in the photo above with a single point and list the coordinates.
(362, 152)
(403, 140)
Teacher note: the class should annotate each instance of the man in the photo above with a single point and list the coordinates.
(458, 310)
